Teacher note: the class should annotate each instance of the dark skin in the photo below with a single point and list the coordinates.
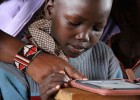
(76, 28)
(43, 64)
(128, 46)
(54, 81)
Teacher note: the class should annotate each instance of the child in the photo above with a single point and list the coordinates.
(126, 44)
(72, 30)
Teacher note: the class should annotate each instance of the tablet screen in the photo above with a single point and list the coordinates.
(109, 84)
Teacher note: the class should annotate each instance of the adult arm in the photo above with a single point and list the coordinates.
(41, 66)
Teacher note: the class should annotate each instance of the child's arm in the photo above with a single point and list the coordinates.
(50, 85)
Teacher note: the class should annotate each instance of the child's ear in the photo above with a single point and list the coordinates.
(49, 7)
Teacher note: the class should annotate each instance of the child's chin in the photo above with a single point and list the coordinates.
(73, 56)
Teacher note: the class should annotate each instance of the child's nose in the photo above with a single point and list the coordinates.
(83, 36)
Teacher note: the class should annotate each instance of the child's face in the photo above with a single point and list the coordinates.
(77, 25)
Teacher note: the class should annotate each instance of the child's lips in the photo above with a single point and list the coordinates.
(77, 49)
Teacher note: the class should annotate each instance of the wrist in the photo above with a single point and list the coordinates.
(37, 67)
(25, 56)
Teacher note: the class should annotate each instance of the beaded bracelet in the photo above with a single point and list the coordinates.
(25, 55)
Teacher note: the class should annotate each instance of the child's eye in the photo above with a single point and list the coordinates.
(97, 29)
(74, 23)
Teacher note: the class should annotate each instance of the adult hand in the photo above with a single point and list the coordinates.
(45, 64)
(41, 66)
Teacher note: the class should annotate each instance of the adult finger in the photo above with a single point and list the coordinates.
(73, 73)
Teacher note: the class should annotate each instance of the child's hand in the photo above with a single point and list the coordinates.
(50, 85)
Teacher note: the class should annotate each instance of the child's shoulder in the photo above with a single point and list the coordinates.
(102, 49)
(101, 45)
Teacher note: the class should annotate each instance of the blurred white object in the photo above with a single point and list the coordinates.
(15, 14)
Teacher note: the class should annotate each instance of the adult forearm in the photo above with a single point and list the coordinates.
(9, 46)
(41, 66)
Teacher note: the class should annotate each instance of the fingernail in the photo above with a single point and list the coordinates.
(66, 85)
(57, 87)
(62, 72)
(84, 79)
(67, 79)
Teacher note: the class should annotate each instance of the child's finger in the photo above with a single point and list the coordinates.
(62, 72)
(50, 92)
(66, 85)
(66, 78)
(55, 77)
(43, 89)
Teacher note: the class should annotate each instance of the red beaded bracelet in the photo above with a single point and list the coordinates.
(25, 55)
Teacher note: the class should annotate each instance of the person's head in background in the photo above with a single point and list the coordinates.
(126, 13)
(77, 25)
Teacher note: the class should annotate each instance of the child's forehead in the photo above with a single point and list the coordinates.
(105, 4)
(72, 2)
(84, 8)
